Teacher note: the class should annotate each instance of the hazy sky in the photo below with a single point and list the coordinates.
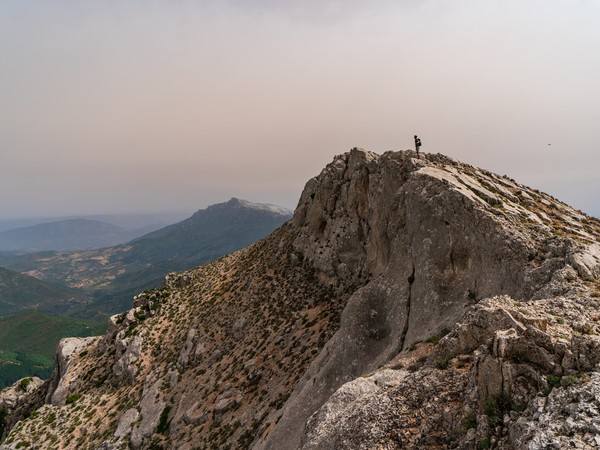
(116, 105)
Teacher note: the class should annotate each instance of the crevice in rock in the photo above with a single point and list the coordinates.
(411, 280)
(504, 400)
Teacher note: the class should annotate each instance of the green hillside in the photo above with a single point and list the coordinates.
(104, 281)
(20, 292)
(28, 343)
(114, 274)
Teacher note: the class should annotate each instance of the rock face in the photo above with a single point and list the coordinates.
(409, 303)
(62, 377)
(429, 238)
(504, 375)
(17, 401)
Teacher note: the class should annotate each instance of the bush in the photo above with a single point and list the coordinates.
(443, 362)
(484, 444)
(569, 380)
(546, 391)
(163, 422)
(72, 398)
(25, 382)
(3, 414)
(553, 380)
(494, 409)
(436, 338)
(468, 422)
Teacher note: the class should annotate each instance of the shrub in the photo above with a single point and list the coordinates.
(494, 409)
(72, 398)
(163, 422)
(25, 382)
(443, 362)
(553, 380)
(569, 380)
(436, 338)
(469, 421)
(484, 444)
(3, 413)
(546, 391)
(50, 418)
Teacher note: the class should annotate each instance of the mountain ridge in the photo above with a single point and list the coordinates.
(409, 303)
(69, 234)
(105, 280)
(143, 262)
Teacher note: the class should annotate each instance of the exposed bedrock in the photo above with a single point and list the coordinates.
(422, 242)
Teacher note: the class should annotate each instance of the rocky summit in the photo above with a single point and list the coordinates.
(410, 303)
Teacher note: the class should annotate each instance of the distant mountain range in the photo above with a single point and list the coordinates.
(129, 221)
(71, 234)
(80, 289)
(114, 274)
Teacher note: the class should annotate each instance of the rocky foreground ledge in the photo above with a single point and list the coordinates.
(409, 303)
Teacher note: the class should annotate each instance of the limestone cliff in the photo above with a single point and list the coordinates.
(409, 303)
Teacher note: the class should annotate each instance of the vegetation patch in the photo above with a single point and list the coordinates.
(72, 398)
(50, 418)
(495, 408)
(25, 382)
(3, 414)
(569, 380)
(484, 444)
(438, 337)
(469, 421)
(444, 361)
(163, 422)
(553, 381)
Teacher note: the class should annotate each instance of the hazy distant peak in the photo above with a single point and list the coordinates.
(240, 203)
(78, 222)
(68, 234)
(262, 206)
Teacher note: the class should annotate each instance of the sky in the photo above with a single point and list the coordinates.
(116, 106)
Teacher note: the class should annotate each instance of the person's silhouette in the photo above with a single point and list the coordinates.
(417, 145)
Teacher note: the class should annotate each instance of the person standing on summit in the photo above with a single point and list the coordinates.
(417, 145)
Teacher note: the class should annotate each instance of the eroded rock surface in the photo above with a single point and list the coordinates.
(18, 400)
(426, 239)
(62, 377)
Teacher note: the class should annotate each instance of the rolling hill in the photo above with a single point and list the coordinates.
(20, 292)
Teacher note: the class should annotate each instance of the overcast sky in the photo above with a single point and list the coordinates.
(131, 106)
